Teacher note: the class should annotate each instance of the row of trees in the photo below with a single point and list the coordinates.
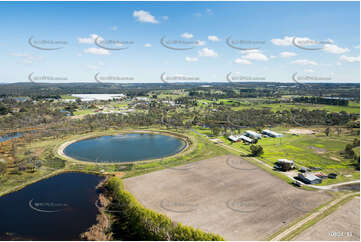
(349, 152)
(134, 222)
(320, 100)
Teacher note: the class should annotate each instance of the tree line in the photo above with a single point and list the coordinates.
(320, 100)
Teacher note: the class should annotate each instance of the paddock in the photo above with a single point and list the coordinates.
(226, 195)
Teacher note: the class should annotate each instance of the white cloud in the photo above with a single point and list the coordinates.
(350, 58)
(357, 46)
(309, 71)
(207, 52)
(254, 55)
(286, 54)
(96, 51)
(89, 40)
(213, 38)
(147, 45)
(144, 16)
(338, 63)
(272, 56)
(197, 14)
(200, 43)
(165, 18)
(334, 49)
(304, 62)
(242, 61)
(187, 35)
(209, 11)
(191, 59)
(286, 41)
(304, 41)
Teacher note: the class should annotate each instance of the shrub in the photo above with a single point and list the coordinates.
(256, 150)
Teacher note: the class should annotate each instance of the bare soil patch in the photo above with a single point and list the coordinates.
(341, 225)
(302, 131)
(226, 195)
(317, 150)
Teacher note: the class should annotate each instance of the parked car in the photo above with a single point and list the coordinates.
(297, 184)
(315, 168)
(320, 175)
(332, 175)
(303, 169)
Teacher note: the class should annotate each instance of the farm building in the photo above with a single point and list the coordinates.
(253, 134)
(309, 178)
(233, 138)
(284, 165)
(271, 133)
(236, 138)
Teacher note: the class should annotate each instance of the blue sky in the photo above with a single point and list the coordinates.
(267, 29)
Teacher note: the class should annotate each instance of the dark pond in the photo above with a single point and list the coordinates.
(125, 147)
(9, 136)
(349, 187)
(58, 208)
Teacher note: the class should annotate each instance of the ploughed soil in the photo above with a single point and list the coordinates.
(226, 195)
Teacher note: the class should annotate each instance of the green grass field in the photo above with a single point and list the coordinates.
(67, 97)
(353, 107)
(84, 112)
(306, 150)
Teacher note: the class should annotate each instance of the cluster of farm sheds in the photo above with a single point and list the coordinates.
(251, 136)
(305, 175)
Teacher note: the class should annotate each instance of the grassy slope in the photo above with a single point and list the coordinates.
(353, 107)
(305, 150)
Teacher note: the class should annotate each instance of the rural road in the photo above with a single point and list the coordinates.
(309, 218)
(330, 187)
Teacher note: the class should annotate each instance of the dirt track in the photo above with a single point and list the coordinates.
(225, 195)
(341, 225)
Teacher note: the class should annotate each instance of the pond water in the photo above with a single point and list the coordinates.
(58, 208)
(349, 187)
(9, 136)
(125, 147)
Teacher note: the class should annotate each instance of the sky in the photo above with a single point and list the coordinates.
(180, 41)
